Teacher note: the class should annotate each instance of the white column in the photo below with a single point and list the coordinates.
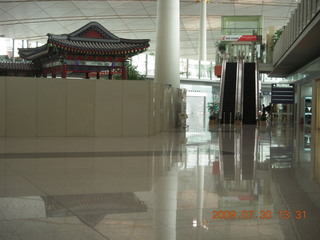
(203, 32)
(168, 43)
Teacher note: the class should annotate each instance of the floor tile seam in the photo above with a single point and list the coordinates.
(16, 230)
(46, 194)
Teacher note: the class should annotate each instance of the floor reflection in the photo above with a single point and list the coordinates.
(227, 182)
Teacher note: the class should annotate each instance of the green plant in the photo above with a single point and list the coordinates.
(222, 46)
(263, 117)
(213, 108)
(276, 36)
(132, 73)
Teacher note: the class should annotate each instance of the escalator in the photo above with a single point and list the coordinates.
(229, 91)
(249, 94)
(239, 93)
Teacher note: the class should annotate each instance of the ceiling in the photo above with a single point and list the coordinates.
(33, 19)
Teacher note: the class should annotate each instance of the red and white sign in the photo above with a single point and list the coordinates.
(241, 38)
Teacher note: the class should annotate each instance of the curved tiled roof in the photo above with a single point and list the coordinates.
(8, 66)
(92, 38)
(122, 47)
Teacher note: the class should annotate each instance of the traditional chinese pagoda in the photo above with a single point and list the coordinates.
(90, 50)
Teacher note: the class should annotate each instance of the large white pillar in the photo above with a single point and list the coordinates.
(203, 32)
(168, 43)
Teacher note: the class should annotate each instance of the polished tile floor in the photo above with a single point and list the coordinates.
(226, 182)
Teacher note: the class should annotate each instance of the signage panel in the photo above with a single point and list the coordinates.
(241, 38)
(282, 93)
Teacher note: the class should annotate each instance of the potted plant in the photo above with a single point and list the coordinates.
(212, 119)
(213, 108)
(221, 46)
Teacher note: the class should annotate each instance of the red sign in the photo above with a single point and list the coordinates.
(241, 38)
(245, 197)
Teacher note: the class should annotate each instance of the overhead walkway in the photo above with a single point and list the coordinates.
(299, 42)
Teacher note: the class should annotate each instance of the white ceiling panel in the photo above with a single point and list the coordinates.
(92, 5)
(5, 6)
(24, 10)
(276, 11)
(132, 19)
(190, 9)
(64, 9)
(220, 9)
(46, 5)
(190, 23)
(150, 7)
(128, 8)
(241, 9)
(6, 18)
(140, 23)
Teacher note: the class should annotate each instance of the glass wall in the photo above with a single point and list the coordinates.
(184, 68)
(189, 68)
(150, 65)
(241, 25)
(9, 48)
(6, 46)
(198, 98)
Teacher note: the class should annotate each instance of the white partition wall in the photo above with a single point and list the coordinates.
(82, 107)
(135, 107)
(2, 107)
(108, 114)
(51, 107)
(21, 107)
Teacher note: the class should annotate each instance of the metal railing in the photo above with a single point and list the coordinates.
(239, 88)
(223, 76)
(300, 18)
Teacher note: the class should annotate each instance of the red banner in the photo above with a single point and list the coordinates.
(241, 38)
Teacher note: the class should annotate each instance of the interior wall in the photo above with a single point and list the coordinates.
(81, 107)
(316, 104)
(306, 91)
(2, 107)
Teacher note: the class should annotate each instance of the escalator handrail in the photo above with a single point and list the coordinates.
(222, 83)
(239, 88)
(257, 89)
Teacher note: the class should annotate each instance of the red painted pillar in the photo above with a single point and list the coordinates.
(124, 73)
(64, 71)
(45, 73)
(110, 74)
(53, 72)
